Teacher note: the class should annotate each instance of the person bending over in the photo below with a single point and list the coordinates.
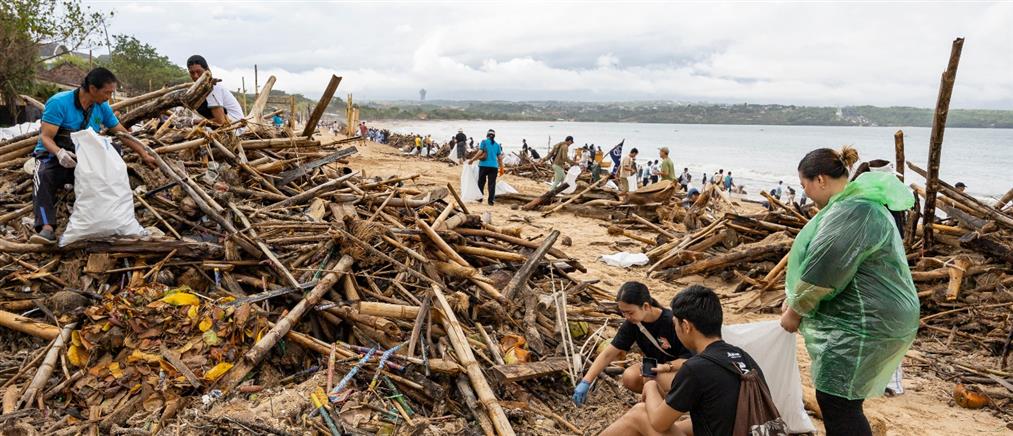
(648, 325)
(221, 107)
(702, 388)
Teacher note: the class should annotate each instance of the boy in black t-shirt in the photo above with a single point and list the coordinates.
(701, 388)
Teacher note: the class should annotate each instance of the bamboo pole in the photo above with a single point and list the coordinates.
(47, 367)
(467, 358)
(440, 243)
(936, 143)
(257, 353)
(898, 148)
(27, 325)
(520, 279)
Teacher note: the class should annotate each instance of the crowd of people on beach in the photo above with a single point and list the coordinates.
(857, 314)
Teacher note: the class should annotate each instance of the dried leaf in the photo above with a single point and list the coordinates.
(77, 356)
(211, 338)
(192, 312)
(140, 355)
(215, 373)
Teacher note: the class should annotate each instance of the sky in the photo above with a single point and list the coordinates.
(820, 54)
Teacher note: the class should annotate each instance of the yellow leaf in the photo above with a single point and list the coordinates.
(192, 312)
(215, 373)
(134, 388)
(228, 299)
(106, 326)
(77, 356)
(75, 338)
(140, 355)
(114, 369)
(205, 324)
(180, 299)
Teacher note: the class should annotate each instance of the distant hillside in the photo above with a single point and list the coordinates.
(683, 113)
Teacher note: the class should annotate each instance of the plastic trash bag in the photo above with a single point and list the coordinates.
(469, 183)
(571, 179)
(774, 350)
(511, 159)
(104, 203)
(625, 259)
(504, 188)
(849, 279)
(631, 182)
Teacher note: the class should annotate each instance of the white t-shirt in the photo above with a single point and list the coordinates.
(221, 97)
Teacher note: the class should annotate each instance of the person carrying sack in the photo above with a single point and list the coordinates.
(65, 113)
(559, 156)
(721, 386)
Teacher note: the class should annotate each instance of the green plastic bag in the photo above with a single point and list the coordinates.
(848, 277)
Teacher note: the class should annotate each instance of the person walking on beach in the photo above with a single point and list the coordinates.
(655, 172)
(779, 189)
(848, 286)
(627, 168)
(418, 145)
(462, 143)
(559, 156)
(684, 179)
(729, 183)
(667, 169)
(718, 177)
(490, 155)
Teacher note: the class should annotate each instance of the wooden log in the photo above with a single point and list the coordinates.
(462, 349)
(440, 243)
(898, 148)
(546, 197)
(967, 203)
(257, 353)
(310, 193)
(751, 252)
(520, 279)
(253, 116)
(318, 111)
(492, 254)
(936, 142)
(555, 252)
(530, 370)
(457, 198)
(300, 171)
(190, 97)
(988, 245)
(574, 197)
(469, 400)
(780, 205)
(1004, 200)
(274, 261)
(279, 143)
(15, 214)
(654, 227)
(956, 271)
(127, 102)
(29, 326)
(47, 367)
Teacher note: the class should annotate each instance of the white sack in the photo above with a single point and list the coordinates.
(631, 182)
(511, 159)
(504, 188)
(625, 259)
(18, 130)
(104, 204)
(571, 179)
(774, 350)
(469, 183)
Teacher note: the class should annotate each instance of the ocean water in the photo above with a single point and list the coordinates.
(758, 156)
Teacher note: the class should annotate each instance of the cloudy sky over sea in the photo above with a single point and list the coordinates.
(883, 54)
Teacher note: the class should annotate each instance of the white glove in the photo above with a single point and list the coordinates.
(66, 158)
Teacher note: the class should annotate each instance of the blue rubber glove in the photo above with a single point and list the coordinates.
(580, 394)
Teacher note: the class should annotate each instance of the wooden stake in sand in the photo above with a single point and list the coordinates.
(936, 142)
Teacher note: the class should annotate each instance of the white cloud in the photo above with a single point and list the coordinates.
(824, 54)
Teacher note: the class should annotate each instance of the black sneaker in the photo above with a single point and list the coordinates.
(43, 237)
(492, 203)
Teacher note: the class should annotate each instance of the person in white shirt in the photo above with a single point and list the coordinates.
(221, 106)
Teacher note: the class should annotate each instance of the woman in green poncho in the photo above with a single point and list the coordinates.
(849, 288)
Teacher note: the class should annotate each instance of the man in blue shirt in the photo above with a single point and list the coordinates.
(490, 157)
(67, 112)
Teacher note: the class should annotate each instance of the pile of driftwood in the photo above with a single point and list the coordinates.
(275, 263)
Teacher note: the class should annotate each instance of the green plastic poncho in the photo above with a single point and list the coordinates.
(848, 278)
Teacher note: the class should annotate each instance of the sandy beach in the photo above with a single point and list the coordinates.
(925, 408)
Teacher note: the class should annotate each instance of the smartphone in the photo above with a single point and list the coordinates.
(647, 367)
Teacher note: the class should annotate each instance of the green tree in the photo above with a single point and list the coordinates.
(138, 65)
(25, 24)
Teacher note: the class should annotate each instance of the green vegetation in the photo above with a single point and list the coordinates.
(25, 24)
(140, 67)
(680, 113)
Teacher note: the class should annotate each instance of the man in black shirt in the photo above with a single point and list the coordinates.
(701, 388)
(462, 143)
